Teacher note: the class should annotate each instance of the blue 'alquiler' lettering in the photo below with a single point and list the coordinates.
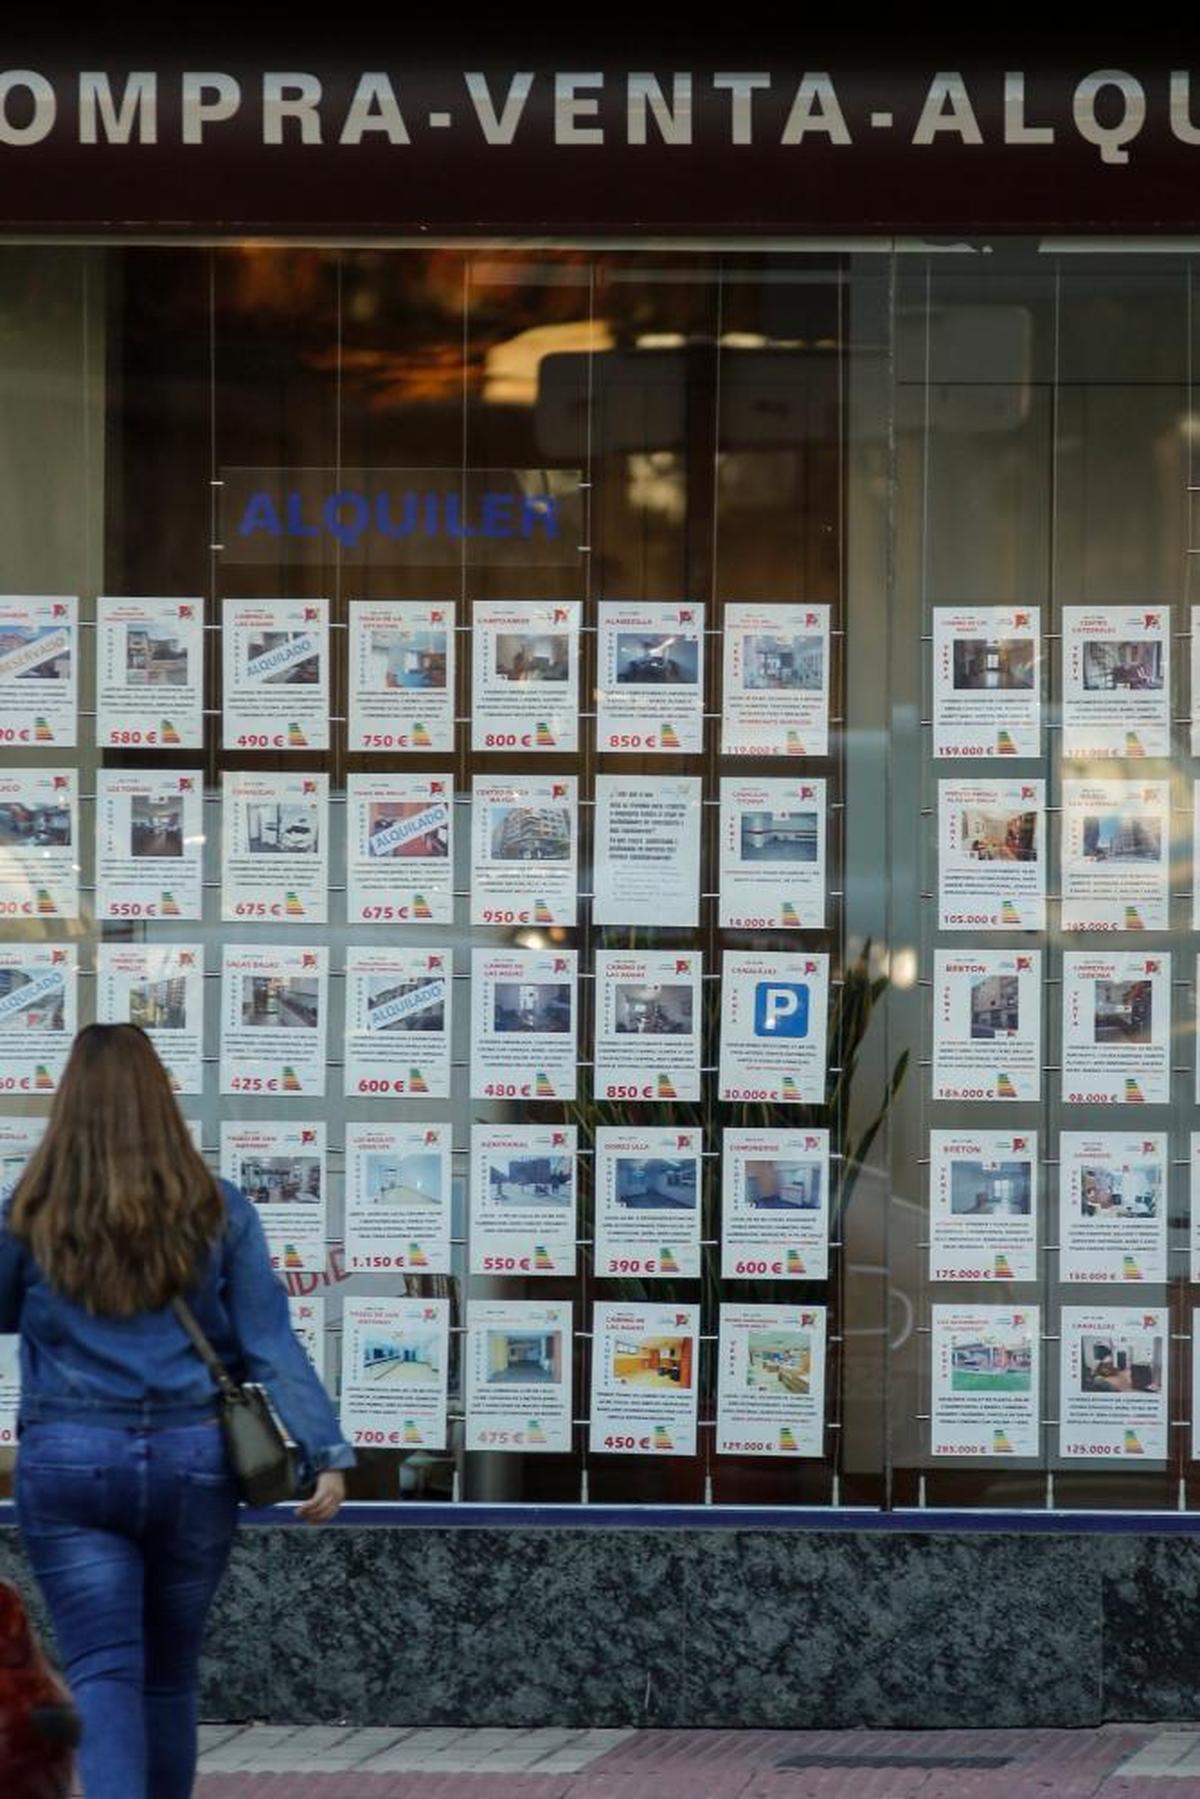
(260, 515)
(349, 516)
(293, 512)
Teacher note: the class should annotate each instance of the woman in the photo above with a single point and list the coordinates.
(125, 1500)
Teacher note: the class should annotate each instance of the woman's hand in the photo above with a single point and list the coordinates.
(324, 1503)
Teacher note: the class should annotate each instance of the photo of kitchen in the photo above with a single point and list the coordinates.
(652, 1362)
(779, 1362)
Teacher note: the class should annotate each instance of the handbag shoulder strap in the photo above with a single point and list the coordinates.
(204, 1348)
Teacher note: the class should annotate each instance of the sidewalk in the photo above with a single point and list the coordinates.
(330, 1762)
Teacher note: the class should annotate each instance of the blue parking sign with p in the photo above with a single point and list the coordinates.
(780, 1009)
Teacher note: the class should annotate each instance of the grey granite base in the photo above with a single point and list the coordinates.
(768, 1629)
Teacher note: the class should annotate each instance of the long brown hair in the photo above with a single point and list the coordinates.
(116, 1204)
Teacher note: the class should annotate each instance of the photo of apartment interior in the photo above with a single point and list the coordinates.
(531, 834)
(279, 1001)
(993, 664)
(281, 1180)
(529, 1006)
(1112, 667)
(990, 1189)
(779, 837)
(652, 661)
(398, 1359)
(382, 818)
(995, 1007)
(153, 661)
(524, 1358)
(779, 1361)
(383, 990)
(404, 1180)
(410, 660)
(1131, 1191)
(36, 827)
(774, 664)
(275, 830)
(653, 1011)
(297, 674)
(656, 1183)
(1121, 1362)
(159, 1005)
(652, 1362)
(783, 1186)
(999, 836)
(1123, 1012)
(155, 826)
(532, 658)
(531, 1181)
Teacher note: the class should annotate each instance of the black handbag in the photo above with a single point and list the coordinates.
(264, 1462)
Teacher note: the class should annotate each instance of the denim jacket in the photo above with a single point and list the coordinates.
(143, 1371)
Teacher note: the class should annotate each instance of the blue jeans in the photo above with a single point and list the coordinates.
(128, 1532)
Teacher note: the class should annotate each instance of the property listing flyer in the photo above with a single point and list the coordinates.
(524, 850)
(39, 843)
(401, 676)
(775, 1205)
(1112, 1206)
(518, 1375)
(773, 1019)
(987, 698)
(648, 1200)
(398, 1011)
(276, 670)
(772, 854)
(644, 1378)
(525, 676)
(650, 698)
(1116, 853)
(39, 671)
(776, 686)
(160, 988)
(1195, 1383)
(1113, 1398)
(280, 1167)
(275, 847)
(10, 1387)
(1116, 1041)
(523, 1023)
(992, 855)
(523, 1199)
(1193, 1208)
(273, 1018)
(149, 843)
(37, 1014)
(1195, 854)
(307, 1319)
(1195, 625)
(983, 1193)
(395, 1363)
(987, 1024)
(1116, 681)
(648, 1015)
(398, 1198)
(646, 858)
(986, 1380)
(19, 1137)
(400, 849)
(771, 1380)
(149, 674)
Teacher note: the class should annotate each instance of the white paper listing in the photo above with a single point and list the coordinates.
(395, 1356)
(646, 855)
(648, 1193)
(1113, 1391)
(986, 1380)
(160, 988)
(1116, 1029)
(275, 847)
(1195, 629)
(37, 1014)
(39, 843)
(983, 1205)
(1116, 850)
(306, 1315)
(992, 855)
(273, 1018)
(987, 1024)
(398, 1016)
(10, 1388)
(1112, 1214)
(525, 676)
(775, 1205)
(1116, 681)
(149, 843)
(149, 674)
(524, 850)
(276, 663)
(771, 1380)
(986, 681)
(400, 849)
(776, 688)
(401, 676)
(772, 854)
(523, 1199)
(773, 1027)
(1194, 1206)
(518, 1375)
(19, 1137)
(398, 1198)
(39, 671)
(523, 1024)
(648, 1017)
(644, 1379)
(280, 1167)
(650, 699)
